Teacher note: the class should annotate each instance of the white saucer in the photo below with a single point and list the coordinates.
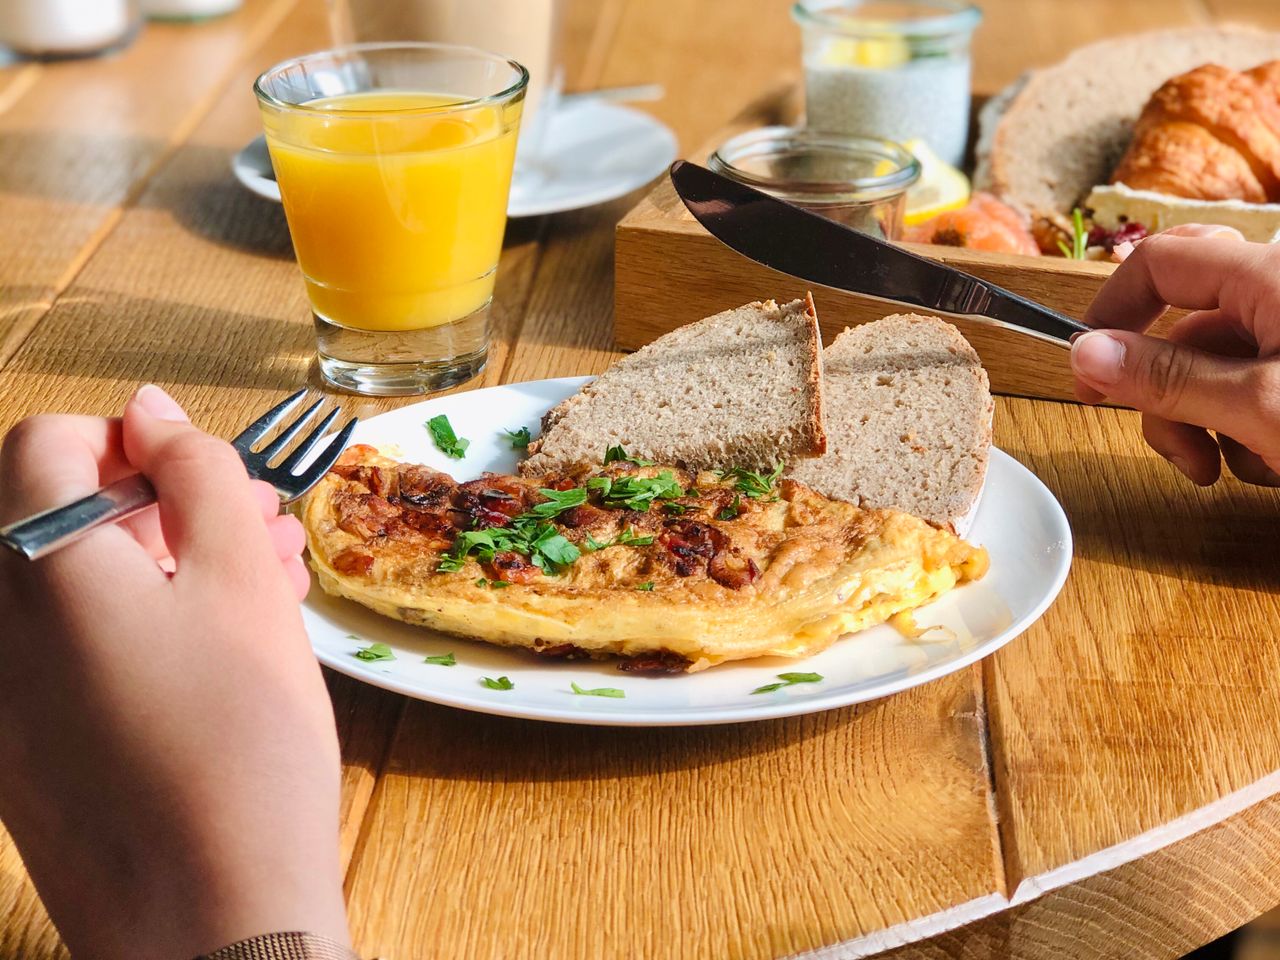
(595, 152)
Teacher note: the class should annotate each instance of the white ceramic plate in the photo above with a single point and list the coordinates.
(595, 152)
(1018, 521)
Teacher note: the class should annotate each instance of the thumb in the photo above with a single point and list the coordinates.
(208, 511)
(1171, 380)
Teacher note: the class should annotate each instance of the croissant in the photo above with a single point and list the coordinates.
(1210, 134)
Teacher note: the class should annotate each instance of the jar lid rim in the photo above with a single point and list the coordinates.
(954, 16)
(760, 141)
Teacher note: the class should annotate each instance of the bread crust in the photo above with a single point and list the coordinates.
(1022, 164)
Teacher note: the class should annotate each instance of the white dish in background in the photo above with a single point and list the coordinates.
(1018, 521)
(593, 152)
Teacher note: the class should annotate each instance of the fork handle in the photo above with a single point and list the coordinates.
(45, 532)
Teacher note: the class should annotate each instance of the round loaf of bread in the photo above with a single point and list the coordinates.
(1063, 132)
(908, 419)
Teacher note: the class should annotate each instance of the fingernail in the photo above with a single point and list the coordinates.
(159, 404)
(1098, 358)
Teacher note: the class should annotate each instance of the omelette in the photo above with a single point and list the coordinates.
(666, 570)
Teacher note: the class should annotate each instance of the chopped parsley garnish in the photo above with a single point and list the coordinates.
(502, 683)
(447, 442)
(636, 493)
(676, 509)
(617, 453)
(627, 538)
(495, 584)
(646, 587)
(559, 501)
(519, 438)
(752, 484)
(1079, 249)
(732, 511)
(598, 692)
(375, 651)
(444, 660)
(530, 536)
(789, 679)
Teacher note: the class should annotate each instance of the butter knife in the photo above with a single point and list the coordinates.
(795, 241)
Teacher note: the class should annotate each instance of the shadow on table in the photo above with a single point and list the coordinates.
(1133, 511)
(108, 336)
(444, 743)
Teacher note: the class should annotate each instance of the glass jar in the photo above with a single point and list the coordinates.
(858, 181)
(897, 69)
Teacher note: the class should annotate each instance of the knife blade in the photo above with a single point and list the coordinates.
(803, 244)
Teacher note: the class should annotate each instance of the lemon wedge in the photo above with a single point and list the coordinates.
(941, 187)
(876, 53)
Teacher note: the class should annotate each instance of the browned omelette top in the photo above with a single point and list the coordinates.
(718, 530)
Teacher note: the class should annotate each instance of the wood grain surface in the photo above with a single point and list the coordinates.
(1104, 786)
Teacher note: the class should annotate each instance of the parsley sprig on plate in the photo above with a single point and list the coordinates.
(442, 660)
(373, 652)
(789, 679)
(446, 441)
(519, 438)
(502, 683)
(598, 692)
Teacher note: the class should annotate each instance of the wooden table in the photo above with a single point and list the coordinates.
(1104, 786)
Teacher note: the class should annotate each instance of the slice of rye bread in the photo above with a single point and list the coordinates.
(742, 388)
(1063, 132)
(908, 419)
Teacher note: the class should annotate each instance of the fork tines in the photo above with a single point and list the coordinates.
(290, 477)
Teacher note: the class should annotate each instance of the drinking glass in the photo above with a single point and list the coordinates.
(524, 30)
(394, 162)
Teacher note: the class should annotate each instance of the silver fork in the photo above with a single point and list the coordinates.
(43, 533)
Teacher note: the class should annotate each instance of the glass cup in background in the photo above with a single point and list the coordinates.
(858, 181)
(394, 162)
(527, 31)
(898, 69)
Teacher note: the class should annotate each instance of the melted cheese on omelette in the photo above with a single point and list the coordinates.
(698, 576)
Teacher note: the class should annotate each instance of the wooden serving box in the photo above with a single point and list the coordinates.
(669, 271)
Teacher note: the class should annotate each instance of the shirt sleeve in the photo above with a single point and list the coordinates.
(282, 946)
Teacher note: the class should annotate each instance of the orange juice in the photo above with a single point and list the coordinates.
(397, 202)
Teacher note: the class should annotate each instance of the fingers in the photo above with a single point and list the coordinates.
(211, 516)
(287, 538)
(1182, 383)
(299, 578)
(1246, 465)
(50, 460)
(1192, 272)
(1190, 449)
(1121, 251)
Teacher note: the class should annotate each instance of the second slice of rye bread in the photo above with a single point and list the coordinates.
(742, 388)
(909, 419)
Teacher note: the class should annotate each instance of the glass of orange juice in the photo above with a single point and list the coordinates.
(394, 162)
